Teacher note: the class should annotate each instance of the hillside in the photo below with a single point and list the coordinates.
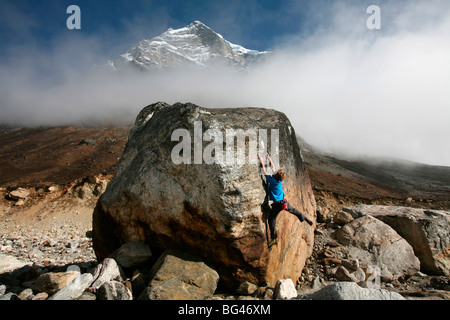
(45, 156)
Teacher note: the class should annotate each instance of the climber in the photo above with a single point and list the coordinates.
(279, 203)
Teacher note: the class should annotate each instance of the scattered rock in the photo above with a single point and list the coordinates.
(285, 290)
(74, 289)
(40, 296)
(341, 218)
(26, 294)
(9, 263)
(247, 288)
(351, 264)
(114, 290)
(427, 231)
(180, 276)
(8, 296)
(350, 291)
(373, 242)
(108, 271)
(132, 254)
(18, 194)
(342, 274)
(53, 281)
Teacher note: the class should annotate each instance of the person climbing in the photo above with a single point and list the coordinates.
(279, 203)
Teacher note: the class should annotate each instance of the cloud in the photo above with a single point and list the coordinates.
(345, 88)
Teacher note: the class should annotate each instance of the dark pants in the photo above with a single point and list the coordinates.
(275, 211)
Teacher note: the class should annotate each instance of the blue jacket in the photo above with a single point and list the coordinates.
(275, 189)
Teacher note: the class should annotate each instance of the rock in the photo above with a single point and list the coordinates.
(323, 214)
(10, 263)
(53, 281)
(8, 296)
(316, 283)
(40, 296)
(114, 290)
(139, 281)
(109, 271)
(74, 289)
(359, 275)
(18, 194)
(285, 290)
(213, 211)
(350, 264)
(373, 242)
(341, 218)
(132, 254)
(180, 276)
(87, 296)
(26, 294)
(351, 291)
(427, 231)
(2, 289)
(426, 295)
(247, 288)
(342, 274)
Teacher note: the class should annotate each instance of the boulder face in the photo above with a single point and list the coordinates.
(375, 243)
(189, 179)
(427, 231)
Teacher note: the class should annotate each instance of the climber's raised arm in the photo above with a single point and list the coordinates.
(262, 166)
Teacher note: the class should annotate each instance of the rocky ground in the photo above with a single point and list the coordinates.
(51, 178)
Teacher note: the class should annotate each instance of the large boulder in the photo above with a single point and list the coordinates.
(374, 243)
(185, 182)
(427, 231)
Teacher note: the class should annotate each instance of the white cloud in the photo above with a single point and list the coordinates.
(344, 88)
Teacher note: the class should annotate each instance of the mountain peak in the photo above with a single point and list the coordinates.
(192, 45)
(197, 23)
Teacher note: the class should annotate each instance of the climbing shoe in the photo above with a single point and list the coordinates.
(309, 222)
(273, 242)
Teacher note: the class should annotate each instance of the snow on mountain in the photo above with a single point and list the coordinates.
(193, 45)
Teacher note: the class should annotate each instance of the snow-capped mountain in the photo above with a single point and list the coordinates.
(193, 45)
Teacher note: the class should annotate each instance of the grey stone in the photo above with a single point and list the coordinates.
(342, 274)
(341, 218)
(109, 271)
(53, 281)
(373, 242)
(427, 231)
(114, 290)
(10, 263)
(247, 288)
(180, 276)
(285, 290)
(132, 254)
(8, 296)
(351, 291)
(26, 294)
(74, 289)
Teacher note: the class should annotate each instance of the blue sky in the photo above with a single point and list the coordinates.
(256, 24)
(345, 88)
